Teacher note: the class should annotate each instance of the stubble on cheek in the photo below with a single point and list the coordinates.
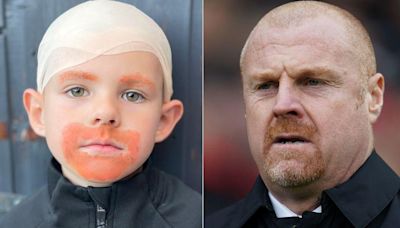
(97, 167)
(291, 167)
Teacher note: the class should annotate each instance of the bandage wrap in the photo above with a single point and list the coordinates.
(101, 27)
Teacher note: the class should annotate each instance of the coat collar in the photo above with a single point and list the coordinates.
(367, 192)
(360, 199)
(257, 198)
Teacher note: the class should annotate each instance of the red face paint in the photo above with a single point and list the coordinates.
(75, 75)
(137, 79)
(102, 154)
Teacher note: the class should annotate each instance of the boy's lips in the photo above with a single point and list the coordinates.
(101, 146)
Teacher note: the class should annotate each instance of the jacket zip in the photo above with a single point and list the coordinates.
(101, 221)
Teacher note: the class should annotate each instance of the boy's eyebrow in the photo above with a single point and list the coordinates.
(75, 74)
(136, 79)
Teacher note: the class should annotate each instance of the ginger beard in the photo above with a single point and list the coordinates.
(100, 167)
(291, 166)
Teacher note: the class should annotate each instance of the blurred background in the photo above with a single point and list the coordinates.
(24, 156)
(229, 171)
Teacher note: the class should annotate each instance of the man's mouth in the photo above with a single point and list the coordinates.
(290, 140)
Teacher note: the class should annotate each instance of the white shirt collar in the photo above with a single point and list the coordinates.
(282, 211)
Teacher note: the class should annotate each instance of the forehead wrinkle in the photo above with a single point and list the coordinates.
(337, 51)
(275, 38)
(77, 74)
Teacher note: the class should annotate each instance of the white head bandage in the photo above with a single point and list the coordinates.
(100, 27)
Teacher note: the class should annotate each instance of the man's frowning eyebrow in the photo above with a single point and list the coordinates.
(316, 71)
(266, 74)
(74, 75)
(136, 79)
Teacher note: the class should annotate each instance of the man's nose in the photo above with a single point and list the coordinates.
(287, 101)
(105, 112)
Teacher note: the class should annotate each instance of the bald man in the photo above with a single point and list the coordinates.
(312, 93)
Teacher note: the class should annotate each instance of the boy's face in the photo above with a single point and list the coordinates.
(102, 118)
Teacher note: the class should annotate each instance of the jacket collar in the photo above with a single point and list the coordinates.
(55, 176)
(367, 192)
(130, 199)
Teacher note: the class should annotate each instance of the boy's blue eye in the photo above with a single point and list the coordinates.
(133, 96)
(77, 92)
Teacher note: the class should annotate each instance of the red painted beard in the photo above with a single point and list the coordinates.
(102, 154)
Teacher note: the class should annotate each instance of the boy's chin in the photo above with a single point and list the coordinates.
(104, 177)
(99, 177)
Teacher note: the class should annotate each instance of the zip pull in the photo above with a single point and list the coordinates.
(101, 221)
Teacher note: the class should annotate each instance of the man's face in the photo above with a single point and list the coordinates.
(101, 117)
(307, 121)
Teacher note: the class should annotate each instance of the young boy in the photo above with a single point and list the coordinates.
(103, 99)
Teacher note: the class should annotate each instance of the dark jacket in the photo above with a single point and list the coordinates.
(370, 198)
(149, 199)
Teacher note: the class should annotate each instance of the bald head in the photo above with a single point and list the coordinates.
(351, 33)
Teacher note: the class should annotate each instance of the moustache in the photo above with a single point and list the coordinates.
(288, 125)
(79, 132)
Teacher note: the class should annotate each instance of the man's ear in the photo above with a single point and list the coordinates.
(171, 113)
(33, 103)
(376, 88)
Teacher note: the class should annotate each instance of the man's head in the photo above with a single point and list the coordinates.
(102, 99)
(311, 93)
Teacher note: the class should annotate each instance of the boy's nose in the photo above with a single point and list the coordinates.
(106, 113)
(105, 121)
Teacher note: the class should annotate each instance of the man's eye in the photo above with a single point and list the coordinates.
(77, 92)
(133, 96)
(312, 82)
(267, 86)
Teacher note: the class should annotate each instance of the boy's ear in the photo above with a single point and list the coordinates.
(171, 113)
(33, 103)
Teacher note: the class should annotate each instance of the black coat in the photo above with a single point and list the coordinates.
(370, 198)
(149, 199)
